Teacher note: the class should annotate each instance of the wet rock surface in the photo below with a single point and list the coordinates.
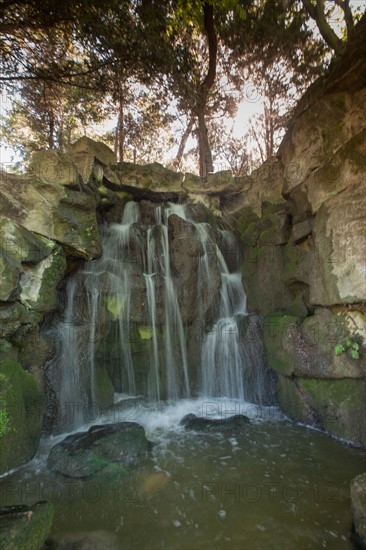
(232, 423)
(85, 453)
(25, 527)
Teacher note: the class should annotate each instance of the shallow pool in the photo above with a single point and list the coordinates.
(273, 485)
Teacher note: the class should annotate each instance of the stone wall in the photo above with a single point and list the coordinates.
(305, 253)
(48, 222)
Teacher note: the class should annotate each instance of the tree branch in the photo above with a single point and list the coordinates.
(317, 12)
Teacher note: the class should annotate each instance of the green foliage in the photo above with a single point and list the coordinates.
(339, 349)
(4, 416)
(349, 345)
(68, 66)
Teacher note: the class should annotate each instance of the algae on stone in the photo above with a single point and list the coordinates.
(24, 402)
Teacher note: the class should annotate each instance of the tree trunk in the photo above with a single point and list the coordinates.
(51, 129)
(119, 142)
(183, 143)
(206, 164)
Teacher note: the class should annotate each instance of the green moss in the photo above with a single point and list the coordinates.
(336, 406)
(26, 529)
(276, 333)
(244, 217)
(104, 388)
(289, 399)
(145, 333)
(115, 305)
(24, 404)
(341, 404)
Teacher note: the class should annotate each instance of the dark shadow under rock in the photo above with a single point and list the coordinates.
(232, 423)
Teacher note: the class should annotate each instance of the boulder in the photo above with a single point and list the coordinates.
(21, 406)
(335, 406)
(86, 540)
(358, 498)
(230, 424)
(153, 177)
(12, 316)
(25, 526)
(54, 167)
(52, 211)
(85, 453)
(101, 152)
(21, 244)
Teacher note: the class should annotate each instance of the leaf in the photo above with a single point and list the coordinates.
(145, 333)
(339, 349)
(115, 305)
(355, 354)
(355, 346)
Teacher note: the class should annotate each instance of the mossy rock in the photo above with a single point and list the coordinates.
(341, 405)
(54, 167)
(306, 347)
(21, 244)
(21, 406)
(25, 528)
(100, 151)
(39, 283)
(335, 406)
(277, 331)
(86, 453)
(10, 270)
(12, 316)
(230, 424)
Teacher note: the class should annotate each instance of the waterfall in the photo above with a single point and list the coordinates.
(130, 315)
(222, 358)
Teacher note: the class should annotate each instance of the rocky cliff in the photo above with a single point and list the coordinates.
(301, 219)
(305, 248)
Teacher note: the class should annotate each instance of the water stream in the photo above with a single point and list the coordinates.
(160, 321)
(127, 321)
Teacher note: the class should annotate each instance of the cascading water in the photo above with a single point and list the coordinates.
(131, 315)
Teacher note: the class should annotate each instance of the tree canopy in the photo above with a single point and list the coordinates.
(167, 71)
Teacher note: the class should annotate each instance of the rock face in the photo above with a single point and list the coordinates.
(24, 526)
(301, 218)
(50, 209)
(86, 453)
(46, 220)
(304, 253)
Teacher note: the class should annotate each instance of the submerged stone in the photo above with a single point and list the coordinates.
(193, 422)
(85, 453)
(25, 527)
(86, 540)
